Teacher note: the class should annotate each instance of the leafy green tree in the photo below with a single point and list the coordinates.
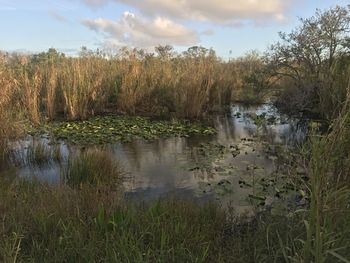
(309, 54)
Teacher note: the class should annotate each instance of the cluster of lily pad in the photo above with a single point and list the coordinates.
(263, 187)
(205, 154)
(286, 182)
(112, 128)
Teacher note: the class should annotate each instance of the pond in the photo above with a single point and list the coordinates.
(223, 167)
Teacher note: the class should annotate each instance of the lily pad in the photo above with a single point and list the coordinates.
(112, 128)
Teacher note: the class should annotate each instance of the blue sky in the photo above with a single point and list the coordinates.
(225, 25)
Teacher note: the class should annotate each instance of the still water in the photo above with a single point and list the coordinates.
(199, 167)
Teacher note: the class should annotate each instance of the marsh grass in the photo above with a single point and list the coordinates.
(196, 82)
(325, 236)
(51, 96)
(8, 124)
(190, 85)
(38, 153)
(50, 224)
(30, 78)
(61, 224)
(328, 226)
(94, 167)
(82, 82)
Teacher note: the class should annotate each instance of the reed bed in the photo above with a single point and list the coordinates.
(8, 87)
(54, 87)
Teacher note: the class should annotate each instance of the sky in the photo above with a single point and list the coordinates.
(231, 27)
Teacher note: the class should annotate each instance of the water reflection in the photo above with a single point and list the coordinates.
(166, 165)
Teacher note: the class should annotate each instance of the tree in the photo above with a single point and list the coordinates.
(164, 52)
(51, 55)
(308, 56)
(311, 49)
(199, 52)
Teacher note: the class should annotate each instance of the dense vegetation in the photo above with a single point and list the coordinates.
(108, 129)
(87, 219)
(189, 85)
(313, 63)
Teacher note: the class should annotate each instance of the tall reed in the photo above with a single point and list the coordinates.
(196, 79)
(50, 86)
(8, 87)
(187, 85)
(30, 78)
(144, 80)
(78, 88)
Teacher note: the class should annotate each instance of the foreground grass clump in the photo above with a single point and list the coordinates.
(108, 129)
(95, 168)
(328, 226)
(50, 224)
(326, 219)
(44, 224)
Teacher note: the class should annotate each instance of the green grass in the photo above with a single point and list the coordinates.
(47, 224)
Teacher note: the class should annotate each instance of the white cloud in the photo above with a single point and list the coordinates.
(160, 22)
(224, 12)
(137, 31)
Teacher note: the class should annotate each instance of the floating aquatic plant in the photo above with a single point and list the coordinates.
(109, 129)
